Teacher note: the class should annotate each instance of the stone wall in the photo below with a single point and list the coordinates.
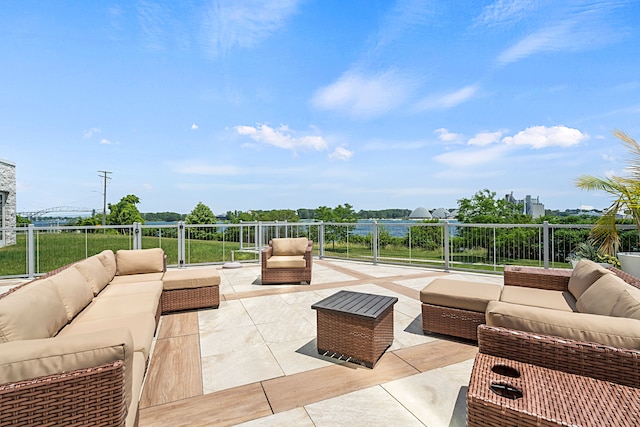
(8, 189)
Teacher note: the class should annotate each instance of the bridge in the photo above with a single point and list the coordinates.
(58, 209)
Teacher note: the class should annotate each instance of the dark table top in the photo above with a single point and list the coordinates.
(357, 303)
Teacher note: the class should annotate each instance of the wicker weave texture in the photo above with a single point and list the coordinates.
(549, 398)
(360, 338)
(555, 279)
(599, 361)
(451, 321)
(189, 299)
(87, 397)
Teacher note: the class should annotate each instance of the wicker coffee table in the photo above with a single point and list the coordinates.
(529, 395)
(354, 325)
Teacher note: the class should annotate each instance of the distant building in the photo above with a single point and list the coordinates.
(530, 206)
(440, 213)
(420, 213)
(7, 203)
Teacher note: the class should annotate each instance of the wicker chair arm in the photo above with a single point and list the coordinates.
(590, 359)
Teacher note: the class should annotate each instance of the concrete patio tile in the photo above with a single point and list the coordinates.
(407, 332)
(240, 367)
(229, 340)
(369, 407)
(436, 398)
(300, 356)
(267, 309)
(289, 328)
(294, 417)
(229, 314)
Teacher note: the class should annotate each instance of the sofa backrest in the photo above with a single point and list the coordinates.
(33, 311)
(585, 274)
(139, 261)
(289, 246)
(108, 260)
(602, 296)
(74, 290)
(95, 273)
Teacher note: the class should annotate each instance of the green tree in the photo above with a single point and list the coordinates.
(201, 215)
(338, 214)
(484, 208)
(125, 212)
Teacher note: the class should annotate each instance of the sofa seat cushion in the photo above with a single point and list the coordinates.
(289, 246)
(119, 306)
(74, 290)
(137, 278)
(94, 273)
(141, 325)
(607, 330)
(190, 278)
(139, 365)
(601, 297)
(138, 261)
(555, 300)
(472, 296)
(585, 273)
(33, 311)
(123, 289)
(286, 261)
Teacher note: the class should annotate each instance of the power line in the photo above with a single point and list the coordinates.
(105, 176)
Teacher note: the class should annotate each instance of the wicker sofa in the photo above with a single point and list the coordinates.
(287, 260)
(75, 343)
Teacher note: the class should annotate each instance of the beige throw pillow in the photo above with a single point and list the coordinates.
(600, 297)
(108, 260)
(584, 275)
(139, 261)
(94, 273)
(626, 306)
(74, 290)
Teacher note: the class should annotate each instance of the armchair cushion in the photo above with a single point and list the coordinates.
(284, 261)
(289, 246)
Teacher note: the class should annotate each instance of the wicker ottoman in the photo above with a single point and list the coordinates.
(188, 289)
(355, 325)
(455, 307)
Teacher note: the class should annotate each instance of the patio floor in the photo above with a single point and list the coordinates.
(253, 361)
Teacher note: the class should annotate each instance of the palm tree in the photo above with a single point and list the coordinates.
(626, 193)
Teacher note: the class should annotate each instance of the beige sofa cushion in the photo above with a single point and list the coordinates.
(94, 273)
(626, 306)
(191, 278)
(584, 275)
(23, 360)
(108, 260)
(32, 312)
(132, 289)
(289, 246)
(602, 295)
(472, 296)
(121, 306)
(74, 290)
(141, 325)
(613, 331)
(137, 278)
(139, 261)
(556, 300)
(286, 261)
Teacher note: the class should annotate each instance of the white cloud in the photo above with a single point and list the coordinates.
(147, 187)
(405, 15)
(231, 23)
(502, 13)
(446, 136)
(89, 133)
(341, 153)
(486, 138)
(448, 100)
(105, 141)
(194, 126)
(282, 138)
(542, 136)
(472, 156)
(364, 96)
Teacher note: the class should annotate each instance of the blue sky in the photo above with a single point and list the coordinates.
(286, 104)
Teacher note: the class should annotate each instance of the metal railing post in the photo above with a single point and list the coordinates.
(259, 241)
(321, 239)
(446, 248)
(31, 251)
(545, 243)
(374, 242)
(181, 244)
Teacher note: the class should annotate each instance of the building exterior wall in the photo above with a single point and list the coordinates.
(7, 202)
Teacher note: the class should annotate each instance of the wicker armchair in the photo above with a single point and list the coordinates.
(287, 260)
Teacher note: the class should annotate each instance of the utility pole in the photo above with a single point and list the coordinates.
(105, 176)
